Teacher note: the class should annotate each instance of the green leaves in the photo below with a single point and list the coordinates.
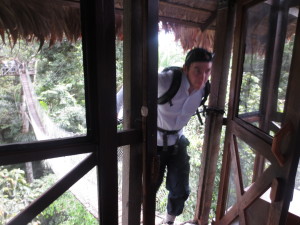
(13, 193)
(16, 194)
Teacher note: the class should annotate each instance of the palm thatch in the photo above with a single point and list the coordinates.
(39, 20)
(191, 37)
(52, 20)
(191, 21)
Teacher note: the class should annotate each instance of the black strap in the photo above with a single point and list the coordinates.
(165, 136)
(206, 93)
(199, 117)
(168, 132)
(204, 98)
(215, 110)
(171, 92)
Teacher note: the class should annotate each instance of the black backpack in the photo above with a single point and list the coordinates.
(175, 84)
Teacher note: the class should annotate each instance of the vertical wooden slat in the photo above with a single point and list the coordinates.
(238, 178)
(275, 67)
(106, 93)
(224, 181)
(132, 155)
(214, 121)
(99, 46)
(267, 86)
(232, 109)
(279, 210)
(141, 63)
(150, 68)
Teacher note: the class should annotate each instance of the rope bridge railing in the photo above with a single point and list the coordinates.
(44, 128)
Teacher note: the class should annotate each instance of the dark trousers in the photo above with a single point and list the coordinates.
(178, 167)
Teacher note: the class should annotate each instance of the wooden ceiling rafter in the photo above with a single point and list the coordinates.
(186, 23)
(209, 21)
(185, 7)
(70, 3)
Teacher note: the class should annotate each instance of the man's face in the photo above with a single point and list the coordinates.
(197, 74)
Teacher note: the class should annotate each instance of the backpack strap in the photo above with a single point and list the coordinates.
(175, 84)
(203, 100)
(206, 93)
(171, 92)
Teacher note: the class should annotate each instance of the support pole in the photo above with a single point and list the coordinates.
(214, 120)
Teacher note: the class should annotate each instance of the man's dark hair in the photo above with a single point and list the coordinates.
(198, 55)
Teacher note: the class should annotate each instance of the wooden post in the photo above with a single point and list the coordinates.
(279, 210)
(133, 92)
(140, 93)
(99, 46)
(214, 120)
(149, 110)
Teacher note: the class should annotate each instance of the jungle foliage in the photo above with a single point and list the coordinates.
(16, 193)
(59, 85)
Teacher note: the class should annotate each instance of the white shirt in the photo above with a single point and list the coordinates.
(175, 117)
(172, 117)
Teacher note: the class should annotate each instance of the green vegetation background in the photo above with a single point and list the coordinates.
(59, 85)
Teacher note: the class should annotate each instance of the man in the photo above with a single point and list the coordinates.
(172, 117)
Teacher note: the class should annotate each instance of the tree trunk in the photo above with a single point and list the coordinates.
(29, 172)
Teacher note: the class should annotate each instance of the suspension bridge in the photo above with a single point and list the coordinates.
(85, 190)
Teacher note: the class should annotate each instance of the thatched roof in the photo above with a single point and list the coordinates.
(39, 19)
(51, 20)
(192, 21)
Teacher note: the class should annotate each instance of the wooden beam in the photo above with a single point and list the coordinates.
(230, 216)
(149, 120)
(130, 136)
(209, 21)
(133, 92)
(255, 191)
(187, 23)
(100, 66)
(214, 121)
(36, 207)
(70, 3)
(279, 210)
(238, 177)
(185, 8)
(105, 78)
(178, 21)
(273, 60)
(34, 151)
(255, 142)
